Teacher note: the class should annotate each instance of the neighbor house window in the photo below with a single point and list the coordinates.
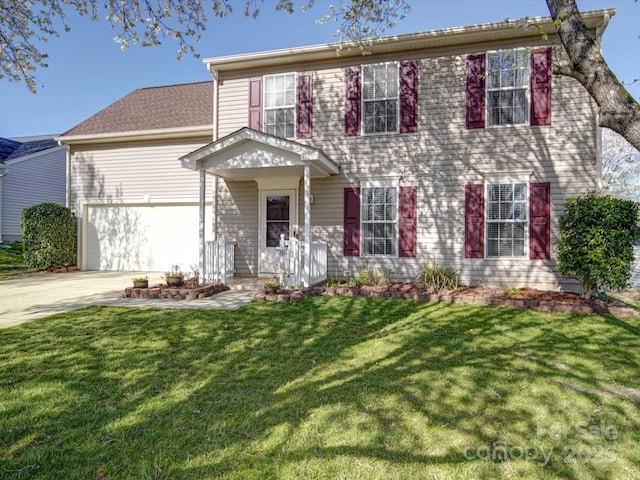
(379, 221)
(507, 219)
(280, 105)
(380, 97)
(508, 87)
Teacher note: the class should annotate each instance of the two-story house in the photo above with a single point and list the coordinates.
(457, 146)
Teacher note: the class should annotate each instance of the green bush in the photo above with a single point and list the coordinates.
(436, 277)
(368, 275)
(597, 234)
(47, 235)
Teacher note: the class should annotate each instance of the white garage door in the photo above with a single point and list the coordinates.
(142, 237)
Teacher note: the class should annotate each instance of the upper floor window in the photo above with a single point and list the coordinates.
(508, 87)
(511, 87)
(380, 97)
(280, 105)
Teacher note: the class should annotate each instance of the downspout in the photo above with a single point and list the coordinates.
(206, 264)
(599, 32)
(214, 123)
(3, 172)
(67, 149)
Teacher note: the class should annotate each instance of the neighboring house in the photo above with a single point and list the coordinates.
(456, 146)
(634, 281)
(32, 171)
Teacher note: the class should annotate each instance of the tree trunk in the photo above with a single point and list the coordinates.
(619, 111)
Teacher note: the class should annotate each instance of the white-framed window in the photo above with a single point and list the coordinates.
(380, 98)
(379, 220)
(280, 105)
(507, 222)
(508, 87)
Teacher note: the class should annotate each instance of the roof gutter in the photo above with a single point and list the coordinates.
(446, 37)
(599, 33)
(159, 134)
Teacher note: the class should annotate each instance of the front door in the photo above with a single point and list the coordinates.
(277, 216)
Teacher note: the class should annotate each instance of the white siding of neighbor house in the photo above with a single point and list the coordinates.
(36, 178)
(634, 281)
(440, 160)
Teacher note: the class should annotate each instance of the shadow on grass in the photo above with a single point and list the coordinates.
(326, 387)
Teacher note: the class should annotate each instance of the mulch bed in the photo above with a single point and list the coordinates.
(178, 293)
(525, 298)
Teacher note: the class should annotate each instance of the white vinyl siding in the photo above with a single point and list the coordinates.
(508, 87)
(133, 170)
(379, 221)
(507, 219)
(233, 105)
(380, 98)
(440, 160)
(37, 178)
(280, 105)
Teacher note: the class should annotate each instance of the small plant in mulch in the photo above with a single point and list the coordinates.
(436, 278)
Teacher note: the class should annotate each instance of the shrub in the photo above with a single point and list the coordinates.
(597, 234)
(436, 277)
(47, 235)
(368, 275)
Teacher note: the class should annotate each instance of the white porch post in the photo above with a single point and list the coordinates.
(202, 211)
(214, 209)
(307, 225)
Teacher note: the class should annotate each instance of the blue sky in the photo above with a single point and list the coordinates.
(88, 71)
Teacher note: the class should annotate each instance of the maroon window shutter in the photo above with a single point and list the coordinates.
(351, 222)
(352, 101)
(541, 87)
(255, 103)
(408, 222)
(304, 105)
(540, 220)
(408, 97)
(474, 221)
(475, 91)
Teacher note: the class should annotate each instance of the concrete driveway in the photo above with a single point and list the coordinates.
(31, 298)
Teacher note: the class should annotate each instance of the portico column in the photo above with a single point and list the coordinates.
(307, 225)
(202, 210)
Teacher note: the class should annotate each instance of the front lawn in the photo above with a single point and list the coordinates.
(12, 263)
(325, 388)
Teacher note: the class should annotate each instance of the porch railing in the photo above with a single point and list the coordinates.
(219, 261)
(292, 266)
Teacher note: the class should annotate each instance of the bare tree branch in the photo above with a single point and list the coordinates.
(619, 111)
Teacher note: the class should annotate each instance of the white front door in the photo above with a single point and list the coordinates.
(278, 214)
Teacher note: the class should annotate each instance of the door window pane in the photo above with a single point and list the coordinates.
(277, 218)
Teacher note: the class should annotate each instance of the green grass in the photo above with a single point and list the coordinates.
(12, 264)
(325, 388)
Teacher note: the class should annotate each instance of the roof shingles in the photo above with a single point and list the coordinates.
(153, 108)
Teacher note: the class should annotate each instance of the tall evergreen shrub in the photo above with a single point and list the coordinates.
(47, 235)
(597, 234)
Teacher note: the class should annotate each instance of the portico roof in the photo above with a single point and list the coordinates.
(248, 155)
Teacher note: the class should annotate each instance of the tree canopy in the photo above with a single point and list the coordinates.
(620, 167)
(25, 25)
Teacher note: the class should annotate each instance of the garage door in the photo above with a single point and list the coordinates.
(142, 237)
